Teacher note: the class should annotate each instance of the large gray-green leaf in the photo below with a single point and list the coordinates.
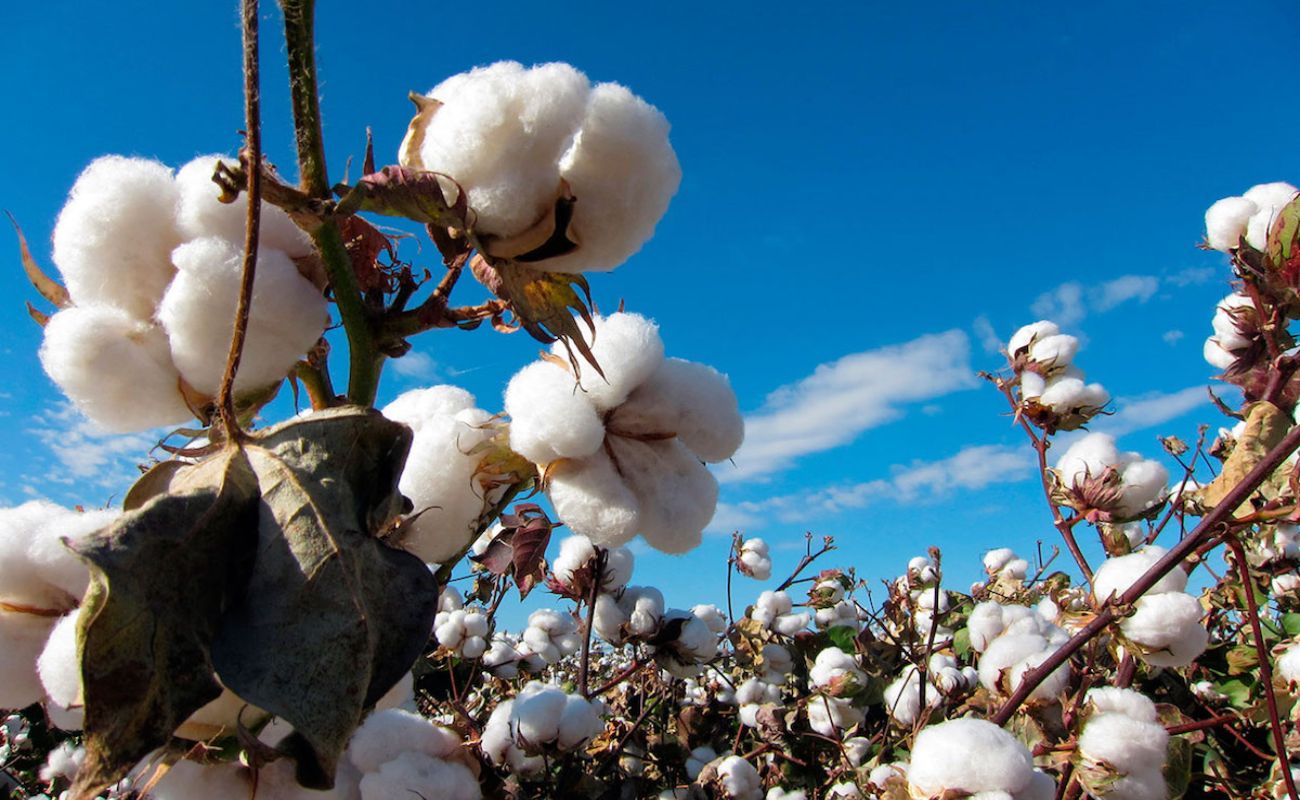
(333, 617)
(159, 578)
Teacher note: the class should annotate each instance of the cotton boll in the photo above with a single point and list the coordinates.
(1287, 666)
(499, 134)
(537, 713)
(831, 716)
(188, 780)
(1143, 483)
(902, 698)
(50, 559)
(22, 638)
(1089, 456)
(1032, 385)
(286, 318)
(1054, 351)
(1144, 785)
(418, 775)
(59, 664)
(1116, 575)
(1225, 222)
(278, 781)
(629, 350)
(386, 734)
(200, 213)
(1001, 667)
(116, 369)
(580, 722)
(971, 755)
(995, 560)
(63, 762)
(692, 400)
(415, 407)
(712, 616)
(1225, 321)
(1168, 627)
(1215, 354)
(1027, 335)
(738, 779)
(28, 559)
(677, 495)
(754, 559)
(834, 668)
(115, 235)
(549, 417)
(591, 497)
(619, 562)
(1124, 743)
(1270, 198)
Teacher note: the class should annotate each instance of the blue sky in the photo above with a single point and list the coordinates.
(872, 193)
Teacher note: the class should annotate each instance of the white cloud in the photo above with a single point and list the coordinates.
(1172, 337)
(415, 365)
(1152, 409)
(840, 400)
(988, 337)
(1192, 276)
(85, 451)
(1123, 289)
(1070, 303)
(971, 468)
(1063, 305)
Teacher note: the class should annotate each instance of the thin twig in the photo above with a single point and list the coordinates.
(584, 667)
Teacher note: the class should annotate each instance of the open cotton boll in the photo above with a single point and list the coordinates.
(677, 495)
(286, 318)
(1224, 321)
(50, 560)
(1270, 198)
(1225, 222)
(418, 775)
(63, 762)
(114, 237)
(591, 497)
(1057, 350)
(1028, 334)
(754, 559)
(969, 755)
(580, 722)
(200, 213)
(1088, 456)
(692, 400)
(834, 669)
(623, 173)
(1116, 575)
(387, 734)
(1072, 394)
(36, 569)
(629, 350)
(59, 664)
(1114, 700)
(1215, 354)
(738, 779)
(188, 780)
(1124, 743)
(417, 406)
(549, 418)
(115, 368)
(1003, 665)
(831, 716)
(1287, 665)
(1143, 484)
(500, 133)
(22, 638)
(1168, 628)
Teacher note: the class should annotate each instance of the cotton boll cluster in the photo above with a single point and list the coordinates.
(41, 585)
(574, 568)
(1012, 640)
(443, 476)
(685, 644)
(464, 631)
(551, 635)
(625, 450)
(541, 718)
(634, 613)
(1248, 217)
(1098, 478)
(970, 756)
(1122, 747)
(1166, 623)
(945, 678)
(516, 140)
(1237, 327)
(754, 560)
(152, 266)
(774, 611)
(921, 571)
(400, 754)
(1003, 563)
(1053, 392)
(734, 777)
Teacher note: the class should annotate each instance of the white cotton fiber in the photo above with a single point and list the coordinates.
(592, 499)
(500, 133)
(629, 350)
(1087, 457)
(1006, 660)
(1129, 703)
(188, 780)
(117, 370)
(833, 667)
(623, 173)
(1270, 198)
(418, 775)
(692, 400)
(50, 559)
(970, 755)
(22, 637)
(386, 734)
(739, 779)
(677, 495)
(537, 713)
(1143, 484)
(1057, 350)
(550, 417)
(287, 315)
(115, 235)
(200, 213)
(21, 532)
(754, 560)
(63, 762)
(1225, 222)
(1030, 333)
(415, 407)
(580, 722)
(1287, 665)
(1116, 575)
(1124, 743)
(58, 664)
(1168, 626)
(1215, 354)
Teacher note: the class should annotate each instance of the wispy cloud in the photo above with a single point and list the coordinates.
(416, 365)
(1070, 303)
(840, 400)
(1151, 409)
(86, 452)
(987, 335)
(971, 468)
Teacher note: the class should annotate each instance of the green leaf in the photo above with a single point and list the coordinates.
(844, 637)
(961, 643)
(1291, 623)
(1238, 691)
(159, 578)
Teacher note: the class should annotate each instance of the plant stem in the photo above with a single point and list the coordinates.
(300, 41)
(1211, 525)
(253, 132)
(598, 576)
(1265, 669)
(365, 362)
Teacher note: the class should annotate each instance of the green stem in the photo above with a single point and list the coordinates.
(365, 362)
(300, 41)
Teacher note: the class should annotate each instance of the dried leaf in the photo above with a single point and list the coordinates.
(1266, 425)
(49, 288)
(396, 191)
(545, 304)
(159, 579)
(1284, 243)
(520, 548)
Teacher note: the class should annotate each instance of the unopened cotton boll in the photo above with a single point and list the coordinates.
(1271, 198)
(1168, 629)
(114, 237)
(1225, 222)
(117, 369)
(968, 755)
(286, 317)
(201, 213)
(1116, 575)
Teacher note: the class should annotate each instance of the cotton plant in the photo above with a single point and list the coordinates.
(1165, 626)
(1012, 640)
(1099, 480)
(1052, 389)
(774, 611)
(541, 718)
(972, 756)
(623, 448)
(753, 559)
